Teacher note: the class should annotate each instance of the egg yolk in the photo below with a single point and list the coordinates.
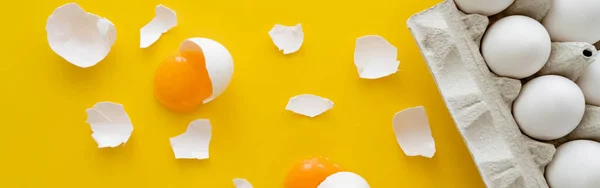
(181, 82)
(310, 173)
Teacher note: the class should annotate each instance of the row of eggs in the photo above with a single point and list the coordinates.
(548, 107)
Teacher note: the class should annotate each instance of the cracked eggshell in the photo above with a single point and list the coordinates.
(163, 21)
(288, 39)
(375, 57)
(241, 183)
(83, 39)
(110, 123)
(413, 133)
(219, 62)
(309, 105)
(194, 142)
(344, 180)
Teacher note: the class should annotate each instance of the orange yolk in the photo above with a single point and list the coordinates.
(310, 173)
(181, 82)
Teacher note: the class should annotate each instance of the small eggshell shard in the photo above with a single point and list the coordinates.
(241, 183)
(110, 124)
(83, 39)
(516, 47)
(413, 134)
(575, 165)
(194, 142)
(574, 21)
(288, 39)
(549, 107)
(219, 62)
(375, 57)
(589, 83)
(483, 7)
(163, 21)
(344, 180)
(309, 105)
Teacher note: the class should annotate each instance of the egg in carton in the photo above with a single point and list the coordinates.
(480, 102)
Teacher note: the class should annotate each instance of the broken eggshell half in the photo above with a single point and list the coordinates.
(163, 21)
(83, 39)
(219, 62)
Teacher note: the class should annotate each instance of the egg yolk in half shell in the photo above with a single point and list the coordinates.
(310, 173)
(181, 82)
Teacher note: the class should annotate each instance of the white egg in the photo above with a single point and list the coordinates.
(576, 164)
(516, 47)
(574, 21)
(344, 180)
(589, 83)
(549, 107)
(483, 7)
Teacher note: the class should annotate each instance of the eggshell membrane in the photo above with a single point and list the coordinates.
(576, 164)
(219, 62)
(344, 180)
(549, 107)
(81, 38)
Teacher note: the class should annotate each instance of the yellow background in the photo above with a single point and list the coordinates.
(46, 142)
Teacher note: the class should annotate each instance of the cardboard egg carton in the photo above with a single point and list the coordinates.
(480, 102)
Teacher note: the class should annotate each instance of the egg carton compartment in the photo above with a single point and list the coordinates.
(480, 102)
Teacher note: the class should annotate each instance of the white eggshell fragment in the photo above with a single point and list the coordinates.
(219, 62)
(110, 123)
(413, 134)
(194, 142)
(589, 83)
(163, 21)
(576, 164)
(516, 47)
(288, 39)
(309, 105)
(375, 57)
(574, 21)
(344, 180)
(241, 183)
(483, 7)
(83, 39)
(549, 107)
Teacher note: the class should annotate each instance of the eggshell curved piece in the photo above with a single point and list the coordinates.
(194, 142)
(549, 107)
(241, 183)
(163, 21)
(516, 47)
(483, 7)
(589, 83)
(288, 39)
(309, 105)
(344, 180)
(110, 123)
(575, 165)
(375, 57)
(219, 62)
(413, 133)
(574, 21)
(83, 39)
